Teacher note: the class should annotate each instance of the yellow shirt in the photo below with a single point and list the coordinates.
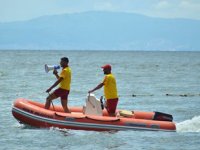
(110, 87)
(66, 75)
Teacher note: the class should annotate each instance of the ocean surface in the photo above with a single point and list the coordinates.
(150, 81)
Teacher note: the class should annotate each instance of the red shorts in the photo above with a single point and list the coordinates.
(62, 93)
(111, 105)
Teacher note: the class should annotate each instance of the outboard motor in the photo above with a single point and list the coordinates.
(162, 117)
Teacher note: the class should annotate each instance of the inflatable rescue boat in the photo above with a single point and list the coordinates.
(89, 117)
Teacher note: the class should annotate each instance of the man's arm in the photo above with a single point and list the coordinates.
(55, 84)
(55, 72)
(96, 88)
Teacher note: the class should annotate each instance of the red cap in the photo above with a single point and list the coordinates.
(106, 66)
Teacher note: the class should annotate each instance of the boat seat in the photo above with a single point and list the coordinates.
(126, 113)
(93, 106)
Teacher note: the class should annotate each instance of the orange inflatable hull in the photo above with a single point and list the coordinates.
(34, 114)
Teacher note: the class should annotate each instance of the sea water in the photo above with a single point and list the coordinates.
(168, 82)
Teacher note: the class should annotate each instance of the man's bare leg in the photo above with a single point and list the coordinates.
(49, 99)
(64, 105)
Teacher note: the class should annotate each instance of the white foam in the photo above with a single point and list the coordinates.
(192, 125)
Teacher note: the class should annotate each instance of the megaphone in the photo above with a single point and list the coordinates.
(48, 67)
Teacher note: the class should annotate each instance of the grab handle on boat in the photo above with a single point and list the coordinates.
(102, 104)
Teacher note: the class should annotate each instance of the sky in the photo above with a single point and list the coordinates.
(15, 10)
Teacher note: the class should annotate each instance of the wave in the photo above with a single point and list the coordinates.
(191, 125)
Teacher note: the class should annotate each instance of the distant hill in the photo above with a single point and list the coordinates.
(101, 31)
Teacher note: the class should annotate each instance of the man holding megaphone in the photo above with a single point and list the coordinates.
(64, 79)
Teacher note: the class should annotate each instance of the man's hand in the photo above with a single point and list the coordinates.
(55, 72)
(90, 91)
(48, 90)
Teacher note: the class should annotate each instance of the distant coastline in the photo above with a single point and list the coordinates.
(97, 30)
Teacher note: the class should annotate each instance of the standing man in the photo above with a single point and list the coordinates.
(110, 90)
(64, 79)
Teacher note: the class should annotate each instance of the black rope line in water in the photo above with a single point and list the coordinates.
(183, 95)
(168, 94)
